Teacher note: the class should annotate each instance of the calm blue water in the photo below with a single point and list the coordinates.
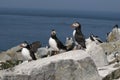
(15, 29)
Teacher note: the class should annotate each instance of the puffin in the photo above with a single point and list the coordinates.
(55, 43)
(69, 43)
(78, 36)
(116, 56)
(28, 50)
(114, 34)
(115, 26)
(96, 39)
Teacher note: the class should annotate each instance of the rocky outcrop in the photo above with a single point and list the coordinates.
(11, 54)
(97, 53)
(111, 49)
(4, 57)
(96, 62)
(73, 65)
(111, 71)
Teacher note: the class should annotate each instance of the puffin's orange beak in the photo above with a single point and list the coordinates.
(21, 45)
(72, 26)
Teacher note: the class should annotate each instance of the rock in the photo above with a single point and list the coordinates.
(11, 54)
(97, 53)
(4, 57)
(42, 52)
(111, 48)
(10, 58)
(14, 54)
(110, 72)
(73, 65)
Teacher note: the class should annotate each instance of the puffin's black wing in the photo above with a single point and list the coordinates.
(33, 55)
(99, 40)
(60, 44)
(80, 40)
(33, 49)
(34, 46)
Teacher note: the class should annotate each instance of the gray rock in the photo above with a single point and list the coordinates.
(4, 57)
(11, 54)
(110, 72)
(97, 53)
(73, 65)
(42, 52)
(111, 48)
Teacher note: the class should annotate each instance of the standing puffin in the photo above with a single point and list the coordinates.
(96, 39)
(55, 43)
(28, 50)
(69, 43)
(78, 36)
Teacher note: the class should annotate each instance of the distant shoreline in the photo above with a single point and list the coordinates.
(61, 13)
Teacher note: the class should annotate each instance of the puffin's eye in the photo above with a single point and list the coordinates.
(53, 32)
(70, 38)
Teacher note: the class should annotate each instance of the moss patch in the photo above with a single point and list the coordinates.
(9, 64)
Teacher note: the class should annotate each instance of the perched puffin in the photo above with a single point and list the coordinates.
(115, 26)
(96, 39)
(55, 43)
(28, 50)
(78, 36)
(114, 34)
(69, 43)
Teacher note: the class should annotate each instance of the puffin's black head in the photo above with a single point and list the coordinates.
(53, 32)
(76, 25)
(68, 38)
(24, 44)
(115, 26)
(91, 37)
(108, 33)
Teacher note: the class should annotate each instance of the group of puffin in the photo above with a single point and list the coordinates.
(28, 50)
(78, 36)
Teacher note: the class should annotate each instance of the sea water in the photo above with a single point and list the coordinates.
(15, 29)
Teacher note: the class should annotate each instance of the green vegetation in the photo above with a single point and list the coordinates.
(9, 64)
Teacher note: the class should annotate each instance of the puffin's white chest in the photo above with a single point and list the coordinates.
(74, 33)
(53, 44)
(26, 54)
